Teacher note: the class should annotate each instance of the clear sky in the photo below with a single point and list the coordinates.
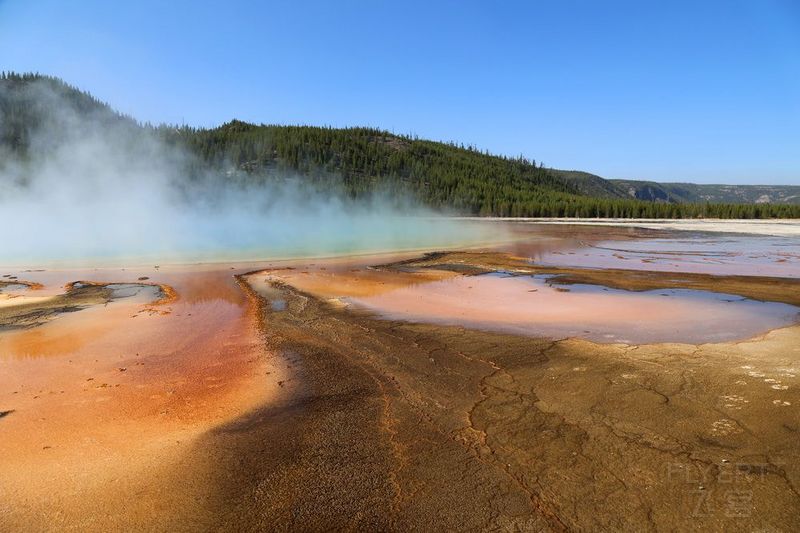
(704, 91)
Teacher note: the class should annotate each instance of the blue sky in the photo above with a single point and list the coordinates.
(672, 91)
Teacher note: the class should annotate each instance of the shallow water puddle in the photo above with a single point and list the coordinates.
(537, 306)
(12, 293)
(134, 291)
(702, 253)
(12, 287)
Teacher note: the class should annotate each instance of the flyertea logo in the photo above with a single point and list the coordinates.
(720, 489)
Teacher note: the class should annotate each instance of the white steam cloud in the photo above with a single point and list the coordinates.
(95, 190)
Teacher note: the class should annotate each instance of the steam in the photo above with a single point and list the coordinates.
(98, 189)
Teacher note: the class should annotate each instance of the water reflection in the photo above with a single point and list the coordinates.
(744, 255)
(539, 306)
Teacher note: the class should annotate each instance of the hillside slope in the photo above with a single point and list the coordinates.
(361, 162)
(368, 160)
(38, 111)
(651, 191)
(694, 192)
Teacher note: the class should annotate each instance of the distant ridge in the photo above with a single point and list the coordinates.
(652, 191)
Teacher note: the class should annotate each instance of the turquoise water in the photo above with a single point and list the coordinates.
(214, 240)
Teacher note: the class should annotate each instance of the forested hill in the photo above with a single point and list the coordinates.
(360, 161)
(32, 103)
(440, 175)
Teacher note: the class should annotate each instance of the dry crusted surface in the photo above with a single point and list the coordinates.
(29, 315)
(396, 426)
(78, 295)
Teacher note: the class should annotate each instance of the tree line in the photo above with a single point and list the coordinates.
(441, 175)
(355, 162)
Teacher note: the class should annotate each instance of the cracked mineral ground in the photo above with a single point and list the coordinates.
(555, 382)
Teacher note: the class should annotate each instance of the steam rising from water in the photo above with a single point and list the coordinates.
(96, 190)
